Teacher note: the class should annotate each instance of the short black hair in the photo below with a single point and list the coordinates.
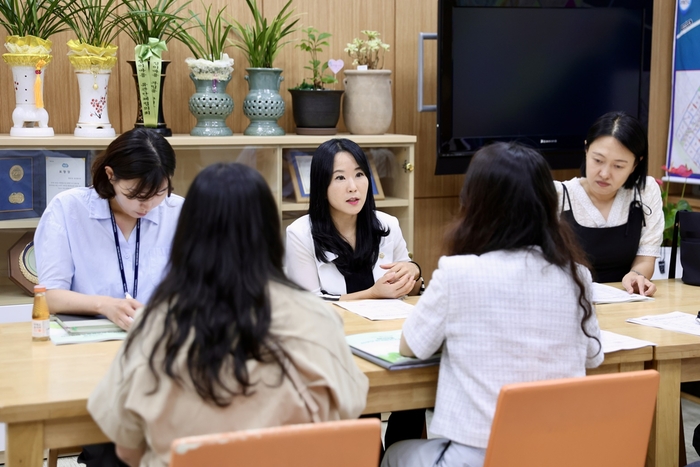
(138, 154)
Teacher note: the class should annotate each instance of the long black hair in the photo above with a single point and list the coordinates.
(369, 231)
(138, 154)
(226, 249)
(630, 133)
(508, 201)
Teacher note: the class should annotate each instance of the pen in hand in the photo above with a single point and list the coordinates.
(128, 296)
(697, 318)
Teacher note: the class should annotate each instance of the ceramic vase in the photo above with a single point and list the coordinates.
(161, 126)
(93, 121)
(263, 104)
(367, 103)
(211, 105)
(28, 118)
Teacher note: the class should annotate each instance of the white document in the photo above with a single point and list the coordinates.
(59, 336)
(377, 310)
(63, 173)
(612, 342)
(608, 294)
(675, 321)
(304, 165)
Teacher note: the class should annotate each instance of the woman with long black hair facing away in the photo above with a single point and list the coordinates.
(509, 303)
(227, 342)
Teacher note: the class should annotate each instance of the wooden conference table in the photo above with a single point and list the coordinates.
(44, 388)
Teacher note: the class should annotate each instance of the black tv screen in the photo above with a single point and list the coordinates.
(538, 75)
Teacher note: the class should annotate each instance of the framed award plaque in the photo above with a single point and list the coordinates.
(22, 264)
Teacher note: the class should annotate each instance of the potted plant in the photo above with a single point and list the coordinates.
(96, 24)
(367, 104)
(29, 24)
(260, 43)
(316, 109)
(210, 71)
(151, 27)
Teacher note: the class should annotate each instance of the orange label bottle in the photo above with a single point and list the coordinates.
(40, 315)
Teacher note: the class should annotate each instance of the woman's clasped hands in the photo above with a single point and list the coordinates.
(397, 282)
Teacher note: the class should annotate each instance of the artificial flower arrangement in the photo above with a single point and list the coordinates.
(670, 209)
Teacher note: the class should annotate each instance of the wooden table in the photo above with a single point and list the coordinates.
(676, 357)
(44, 388)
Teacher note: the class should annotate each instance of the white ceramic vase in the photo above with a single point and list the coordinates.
(367, 102)
(28, 120)
(93, 121)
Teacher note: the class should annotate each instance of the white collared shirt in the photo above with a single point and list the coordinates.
(75, 250)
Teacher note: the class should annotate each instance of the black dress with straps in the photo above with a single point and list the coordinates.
(610, 250)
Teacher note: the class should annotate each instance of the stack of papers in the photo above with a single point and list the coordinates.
(85, 324)
(607, 294)
(382, 348)
(60, 336)
(675, 321)
(378, 309)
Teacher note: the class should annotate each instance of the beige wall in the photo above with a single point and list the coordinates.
(399, 22)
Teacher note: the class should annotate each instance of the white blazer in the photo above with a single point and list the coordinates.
(314, 275)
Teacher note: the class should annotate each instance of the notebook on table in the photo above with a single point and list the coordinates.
(85, 324)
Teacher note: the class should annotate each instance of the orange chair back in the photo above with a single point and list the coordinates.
(345, 443)
(601, 421)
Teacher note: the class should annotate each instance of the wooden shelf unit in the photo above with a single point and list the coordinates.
(265, 154)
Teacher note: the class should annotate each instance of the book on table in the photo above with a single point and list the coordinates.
(382, 348)
(85, 324)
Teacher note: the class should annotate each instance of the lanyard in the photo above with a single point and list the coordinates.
(119, 255)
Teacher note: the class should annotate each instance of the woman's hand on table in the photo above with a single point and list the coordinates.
(402, 268)
(392, 286)
(120, 311)
(637, 283)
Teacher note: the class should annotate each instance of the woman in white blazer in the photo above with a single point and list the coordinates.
(344, 248)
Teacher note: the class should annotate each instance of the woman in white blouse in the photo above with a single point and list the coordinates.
(510, 303)
(615, 209)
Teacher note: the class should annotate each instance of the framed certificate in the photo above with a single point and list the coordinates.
(20, 186)
(22, 264)
(300, 170)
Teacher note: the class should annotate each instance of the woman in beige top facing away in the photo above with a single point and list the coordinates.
(227, 342)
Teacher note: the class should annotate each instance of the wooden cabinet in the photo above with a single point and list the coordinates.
(393, 156)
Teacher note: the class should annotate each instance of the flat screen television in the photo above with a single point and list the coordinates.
(540, 75)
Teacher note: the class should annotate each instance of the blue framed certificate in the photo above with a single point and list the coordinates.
(19, 187)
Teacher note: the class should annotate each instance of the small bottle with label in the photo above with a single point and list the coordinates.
(40, 315)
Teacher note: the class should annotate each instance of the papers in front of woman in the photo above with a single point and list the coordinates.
(613, 342)
(377, 309)
(607, 294)
(675, 321)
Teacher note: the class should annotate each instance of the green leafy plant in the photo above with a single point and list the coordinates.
(670, 209)
(313, 43)
(39, 18)
(262, 41)
(160, 21)
(368, 52)
(95, 22)
(215, 30)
